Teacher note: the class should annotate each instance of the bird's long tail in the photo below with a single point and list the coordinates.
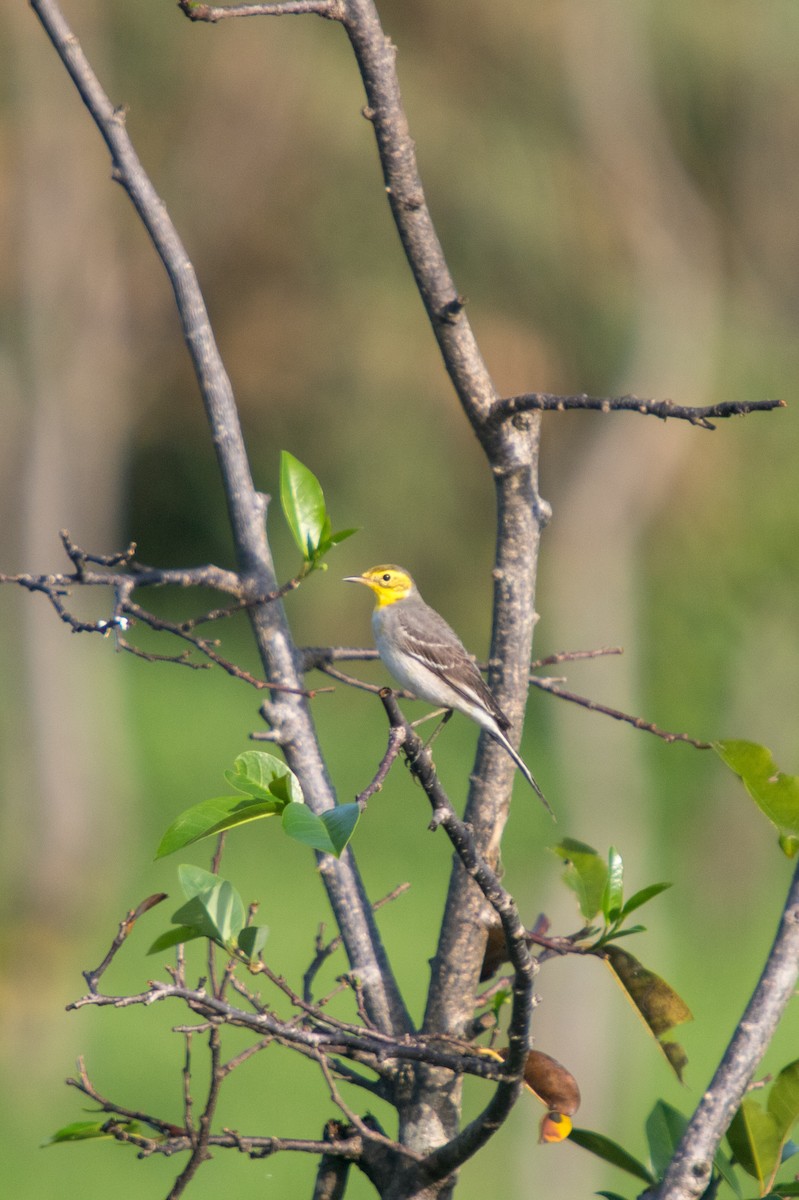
(525, 770)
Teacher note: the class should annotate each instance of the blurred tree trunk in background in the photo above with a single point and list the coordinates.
(69, 454)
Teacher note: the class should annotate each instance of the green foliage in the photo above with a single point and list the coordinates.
(611, 1152)
(329, 831)
(758, 1137)
(304, 508)
(268, 784)
(599, 887)
(84, 1131)
(213, 910)
(665, 1126)
(585, 873)
(271, 789)
(775, 794)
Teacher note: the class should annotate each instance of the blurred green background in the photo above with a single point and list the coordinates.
(615, 184)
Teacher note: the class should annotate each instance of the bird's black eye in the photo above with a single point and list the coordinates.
(387, 577)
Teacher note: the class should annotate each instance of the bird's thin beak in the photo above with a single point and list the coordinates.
(355, 579)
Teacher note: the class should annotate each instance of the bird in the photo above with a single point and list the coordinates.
(426, 656)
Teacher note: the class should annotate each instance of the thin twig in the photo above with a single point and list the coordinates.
(665, 409)
(442, 1161)
(124, 931)
(323, 952)
(372, 1045)
(562, 656)
(548, 685)
(366, 1130)
(395, 739)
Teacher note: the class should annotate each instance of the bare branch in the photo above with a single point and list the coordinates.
(324, 951)
(689, 1173)
(367, 1046)
(665, 409)
(213, 13)
(125, 928)
(395, 740)
(199, 1153)
(548, 685)
(448, 1157)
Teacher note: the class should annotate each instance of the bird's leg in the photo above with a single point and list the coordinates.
(447, 713)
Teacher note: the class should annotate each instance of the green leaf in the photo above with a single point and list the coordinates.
(783, 1099)
(195, 880)
(211, 817)
(306, 827)
(303, 504)
(611, 1152)
(643, 897)
(613, 891)
(499, 999)
(656, 1002)
(264, 777)
(83, 1131)
(586, 874)
(758, 1137)
(723, 1164)
(252, 940)
(329, 832)
(775, 793)
(174, 937)
(342, 535)
(664, 1128)
(784, 1189)
(340, 823)
(610, 1195)
(217, 914)
(755, 1142)
(615, 934)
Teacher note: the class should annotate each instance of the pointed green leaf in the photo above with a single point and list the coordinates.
(218, 914)
(586, 874)
(643, 897)
(303, 504)
(264, 777)
(211, 817)
(252, 940)
(775, 793)
(82, 1131)
(613, 891)
(723, 1164)
(306, 827)
(340, 823)
(611, 1152)
(783, 1099)
(342, 535)
(664, 1128)
(174, 937)
(195, 880)
(755, 1141)
(615, 934)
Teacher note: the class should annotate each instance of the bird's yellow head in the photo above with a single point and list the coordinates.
(389, 583)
